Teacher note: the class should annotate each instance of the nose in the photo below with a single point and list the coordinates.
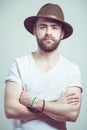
(48, 30)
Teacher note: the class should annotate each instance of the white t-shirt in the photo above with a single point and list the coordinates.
(46, 85)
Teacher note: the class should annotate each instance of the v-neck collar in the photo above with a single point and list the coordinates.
(42, 71)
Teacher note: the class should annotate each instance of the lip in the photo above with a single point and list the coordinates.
(47, 39)
(50, 39)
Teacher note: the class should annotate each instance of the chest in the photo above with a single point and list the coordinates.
(49, 85)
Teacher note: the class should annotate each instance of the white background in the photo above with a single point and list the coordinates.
(15, 41)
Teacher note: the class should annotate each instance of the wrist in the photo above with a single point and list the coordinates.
(37, 104)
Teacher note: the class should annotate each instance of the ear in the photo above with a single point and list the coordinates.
(34, 31)
(62, 35)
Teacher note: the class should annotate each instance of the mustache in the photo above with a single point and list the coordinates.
(48, 37)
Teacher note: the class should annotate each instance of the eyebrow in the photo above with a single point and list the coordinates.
(53, 24)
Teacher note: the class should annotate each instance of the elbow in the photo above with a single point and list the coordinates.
(8, 113)
(73, 117)
(8, 116)
(73, 114)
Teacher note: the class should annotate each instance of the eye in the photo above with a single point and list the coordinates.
(42, 27)
(55, 27)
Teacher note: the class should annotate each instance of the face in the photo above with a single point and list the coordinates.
(48, 34)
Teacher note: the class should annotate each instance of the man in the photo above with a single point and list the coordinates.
(43, 89)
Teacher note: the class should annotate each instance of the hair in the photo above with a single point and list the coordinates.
(49, 19)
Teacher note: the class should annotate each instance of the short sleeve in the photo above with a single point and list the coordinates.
(75, 77)
(13, 73)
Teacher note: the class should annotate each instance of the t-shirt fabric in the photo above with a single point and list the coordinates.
(45, 85)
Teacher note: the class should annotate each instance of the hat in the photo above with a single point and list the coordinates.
(51, 11)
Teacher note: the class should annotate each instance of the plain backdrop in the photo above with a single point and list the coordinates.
(15, 41)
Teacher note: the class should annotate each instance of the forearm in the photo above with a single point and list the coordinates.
(65, 109)
(19, 111)
(13, 108)
(32, 116)
(56, 117)
(61, 111)
(56, 111)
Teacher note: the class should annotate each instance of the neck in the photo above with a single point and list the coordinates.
(47, 56)
(46, 61)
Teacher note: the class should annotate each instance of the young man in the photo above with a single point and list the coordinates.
(43, 89)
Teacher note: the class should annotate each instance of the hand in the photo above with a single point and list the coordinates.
(71, 98)
(25, 98)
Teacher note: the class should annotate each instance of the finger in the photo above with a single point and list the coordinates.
(21, 95)
(70, 94)
(72, 101)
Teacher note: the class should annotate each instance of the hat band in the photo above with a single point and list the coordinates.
(50, 16)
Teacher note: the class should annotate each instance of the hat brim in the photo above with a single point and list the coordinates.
(30, 22)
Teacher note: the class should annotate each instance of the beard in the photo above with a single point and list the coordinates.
(48, 43)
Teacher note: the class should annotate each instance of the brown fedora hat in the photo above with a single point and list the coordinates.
(51, 11)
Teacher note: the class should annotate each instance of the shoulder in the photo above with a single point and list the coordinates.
(67, 61)
(70, 68)
(22, 60)
(69, 64)
(74, 73)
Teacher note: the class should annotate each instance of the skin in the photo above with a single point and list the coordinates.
(17, 100)
(64, 109)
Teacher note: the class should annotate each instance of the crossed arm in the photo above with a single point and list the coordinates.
(65, 109)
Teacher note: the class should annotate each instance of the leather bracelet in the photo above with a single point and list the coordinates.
(43, 106)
